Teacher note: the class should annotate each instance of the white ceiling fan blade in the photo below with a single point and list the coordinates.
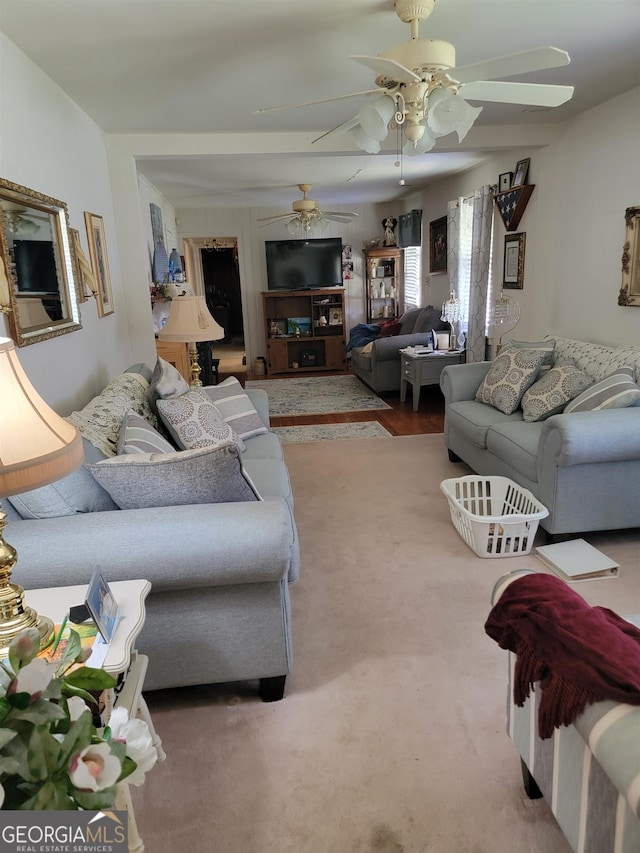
(274, 218)
(345, 218)
(389, 68)
(534, 94)
(311, 103)
(341, 128)
(536, 59)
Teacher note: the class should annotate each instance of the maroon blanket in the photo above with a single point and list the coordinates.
(579, 654)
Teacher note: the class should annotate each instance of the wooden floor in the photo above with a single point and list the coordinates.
(400, 419)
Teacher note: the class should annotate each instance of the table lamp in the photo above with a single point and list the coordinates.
(37, 447)
(190, 322)
(503, 318)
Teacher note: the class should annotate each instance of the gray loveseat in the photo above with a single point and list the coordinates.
(583, 466)
(378, 363)
(218, 610)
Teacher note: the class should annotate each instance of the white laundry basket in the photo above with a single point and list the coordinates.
(495, 516)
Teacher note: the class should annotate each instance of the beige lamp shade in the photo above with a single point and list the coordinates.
(37, 446)
(190, 322)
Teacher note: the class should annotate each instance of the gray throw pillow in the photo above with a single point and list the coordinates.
(237, 410)
(205, 475)
(166, 382)
(551, 393)
(138, 436)
(194, 421)
(616, 391)
(408, 320)
(511, 373)
(75, 493)
(428, 320)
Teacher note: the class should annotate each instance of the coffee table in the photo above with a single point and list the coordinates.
(422, 370)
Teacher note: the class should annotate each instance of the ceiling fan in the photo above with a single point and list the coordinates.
(420, 89)
(306, 214)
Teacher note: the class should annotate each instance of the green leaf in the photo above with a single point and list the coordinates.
(98, 800)
(79, 735)
(43, 754)
(70, 690)
(19, 700)
(8, 765)
(128, 766)
(40, 712)
(90, 679)
(52, 796)
(6, 735)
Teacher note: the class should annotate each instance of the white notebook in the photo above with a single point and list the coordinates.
(576, 560)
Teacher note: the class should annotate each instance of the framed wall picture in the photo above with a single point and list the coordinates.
(99, 262)
(513, 274)
(504, 181)
(630, 291)
(522, 169)
(438, 245)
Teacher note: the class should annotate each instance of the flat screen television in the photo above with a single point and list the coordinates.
(35, 266)
(304, 264)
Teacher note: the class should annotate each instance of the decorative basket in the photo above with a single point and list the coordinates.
(495, 516)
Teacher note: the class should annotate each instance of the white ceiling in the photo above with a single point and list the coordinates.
(205, 66)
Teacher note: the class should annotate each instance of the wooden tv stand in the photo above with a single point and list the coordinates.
(305, 330)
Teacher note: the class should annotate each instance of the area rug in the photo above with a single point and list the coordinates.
(330, 432)
(317, 395)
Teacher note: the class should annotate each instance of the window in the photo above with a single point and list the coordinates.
(412, 261)
(465, 239)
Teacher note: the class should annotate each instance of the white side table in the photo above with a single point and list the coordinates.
(121, 658)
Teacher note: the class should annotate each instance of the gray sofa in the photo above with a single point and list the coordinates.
(583, 466)
(218, 610)
(378, 363)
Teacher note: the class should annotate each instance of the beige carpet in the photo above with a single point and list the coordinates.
(391, 736)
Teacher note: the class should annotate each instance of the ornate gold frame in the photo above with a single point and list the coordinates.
(630, 291)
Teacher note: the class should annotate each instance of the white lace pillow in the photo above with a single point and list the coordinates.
(512, 372)
(194, 421)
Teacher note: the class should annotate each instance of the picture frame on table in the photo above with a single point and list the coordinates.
(513, 270)
(504, 181)
(522, 170)
(277, 328)
(438, 245)
(99, 262)
(299, 327)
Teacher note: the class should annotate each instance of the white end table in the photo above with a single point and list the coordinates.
(422, 370)
(121, 657)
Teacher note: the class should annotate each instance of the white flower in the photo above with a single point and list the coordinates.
(137, 737)
(77, 707)
(33, 678)
(1, 795)
(94, 768)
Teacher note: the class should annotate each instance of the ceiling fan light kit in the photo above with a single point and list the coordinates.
(421, 91)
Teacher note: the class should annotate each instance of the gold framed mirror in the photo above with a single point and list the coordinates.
(40, 265)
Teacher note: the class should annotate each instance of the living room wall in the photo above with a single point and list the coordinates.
(48, 144)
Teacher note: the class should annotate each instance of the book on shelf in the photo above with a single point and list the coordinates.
(576, 560)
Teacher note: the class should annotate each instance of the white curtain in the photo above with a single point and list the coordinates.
(469, 231)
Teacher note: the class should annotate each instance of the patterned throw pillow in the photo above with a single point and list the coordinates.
(138, 436)
(616, 391)
(548, 346)
(166, 382)
(194, 421)
(237, 410)
(552, 392)
(205, 475)
(511, 373)
(99, 421)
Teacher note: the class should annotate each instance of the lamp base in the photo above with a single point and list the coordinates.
(196, 370)
(15, 617)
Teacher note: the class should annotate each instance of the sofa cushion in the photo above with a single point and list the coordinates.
(138, 436)
(99, 421)
(595, 359)
(237, 410)
(194, 421)
(199, 476)
(547, 345)
(552, 392)
(269, 477)
(166, 382)
(408, 320)
(516, 444)
(616, 391)
(429, 320)
(267, 446)
(473, 420)
(512, 372)
(75, 493)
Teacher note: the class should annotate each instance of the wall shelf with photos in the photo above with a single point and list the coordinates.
(305, 330)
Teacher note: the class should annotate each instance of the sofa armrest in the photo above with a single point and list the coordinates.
(260, 400)
(173, 547)
(461, 381)
(388, 348)
(589, 437)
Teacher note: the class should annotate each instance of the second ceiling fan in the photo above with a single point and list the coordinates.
(306, 215)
